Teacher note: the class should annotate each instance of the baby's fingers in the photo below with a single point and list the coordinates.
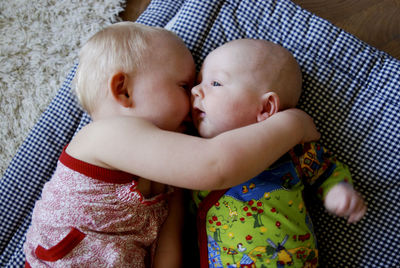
(307, 124)
(357, 209)
(357, 215)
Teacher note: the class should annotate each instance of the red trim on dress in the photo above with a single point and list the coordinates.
(95, 172)
(202, 211)
(107, 175)
(59, 251)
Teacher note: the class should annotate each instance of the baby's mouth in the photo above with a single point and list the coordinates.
(198, 114)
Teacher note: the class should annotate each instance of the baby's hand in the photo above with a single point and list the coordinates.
(305, 124)
(344, 201)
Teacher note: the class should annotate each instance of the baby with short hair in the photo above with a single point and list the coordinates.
(263, 222)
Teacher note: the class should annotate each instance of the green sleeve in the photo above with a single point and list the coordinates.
(341, 174)
(321, 170)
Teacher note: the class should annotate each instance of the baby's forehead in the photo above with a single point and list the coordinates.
(229, 53)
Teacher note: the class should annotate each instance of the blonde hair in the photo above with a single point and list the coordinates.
(120, 47)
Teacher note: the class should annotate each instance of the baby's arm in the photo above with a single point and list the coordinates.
(138, 147)
(169, 248)
(332, 181)
(342, 200)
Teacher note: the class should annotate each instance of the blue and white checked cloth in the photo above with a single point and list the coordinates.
(350, 88)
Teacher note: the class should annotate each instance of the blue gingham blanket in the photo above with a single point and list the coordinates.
(350, 88)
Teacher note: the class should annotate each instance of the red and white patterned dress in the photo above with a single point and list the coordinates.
(90, 216)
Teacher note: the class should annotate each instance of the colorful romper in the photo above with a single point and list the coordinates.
(263, 222)
(89, 216)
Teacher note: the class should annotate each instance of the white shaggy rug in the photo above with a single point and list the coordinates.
(39, 43)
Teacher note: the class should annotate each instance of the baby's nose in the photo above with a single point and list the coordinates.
(197, 91)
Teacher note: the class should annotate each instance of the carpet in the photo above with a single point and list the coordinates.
(39, 44)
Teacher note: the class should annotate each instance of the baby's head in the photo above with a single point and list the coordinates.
(243, 82)
(131, 69)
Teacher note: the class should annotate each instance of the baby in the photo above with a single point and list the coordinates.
(263, 222)
(108, 203)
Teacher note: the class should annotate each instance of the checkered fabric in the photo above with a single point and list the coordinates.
(350, 88)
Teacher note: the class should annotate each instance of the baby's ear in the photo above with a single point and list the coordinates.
(119, 89)
(270, 106)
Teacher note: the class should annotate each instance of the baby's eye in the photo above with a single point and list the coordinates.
(185, 86)
(215, 84)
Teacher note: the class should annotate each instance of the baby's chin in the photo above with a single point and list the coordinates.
(206, 132)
